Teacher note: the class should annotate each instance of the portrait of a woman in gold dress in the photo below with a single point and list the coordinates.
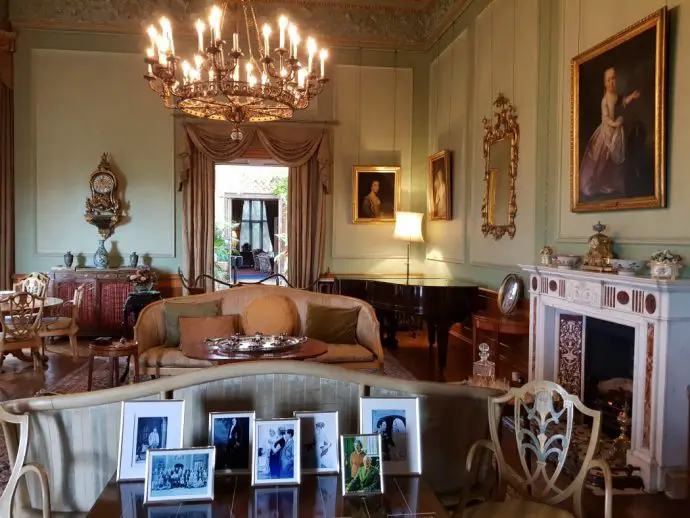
(375, 193)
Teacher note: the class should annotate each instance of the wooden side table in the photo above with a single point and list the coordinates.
(114, 351)
(497, 323)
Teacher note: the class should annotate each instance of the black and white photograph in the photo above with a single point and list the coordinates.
(181, 511)
(363, 467)
(396, 419)
(276, 502)
(131, 499)
(326, 496)
(179, 475)
(144, 426)
(231, 434)
(276, 452)
(320, 438)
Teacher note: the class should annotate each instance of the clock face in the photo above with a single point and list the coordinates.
(103, 183)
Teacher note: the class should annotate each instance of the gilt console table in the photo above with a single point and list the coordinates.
(104, 297)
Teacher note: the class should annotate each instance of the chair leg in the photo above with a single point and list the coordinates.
(73, 344)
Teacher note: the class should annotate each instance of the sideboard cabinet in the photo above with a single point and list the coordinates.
(104, 296)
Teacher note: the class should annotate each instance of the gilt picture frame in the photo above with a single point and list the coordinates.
(618, 122)
(439, 186)
(375, 194)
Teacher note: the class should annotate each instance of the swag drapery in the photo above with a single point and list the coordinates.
(6, 160)
(305, 151)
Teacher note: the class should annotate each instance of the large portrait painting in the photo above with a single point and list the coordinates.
(375, 193)
(439, 188)
(618, 120)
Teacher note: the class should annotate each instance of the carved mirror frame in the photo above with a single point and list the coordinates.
(504, 127)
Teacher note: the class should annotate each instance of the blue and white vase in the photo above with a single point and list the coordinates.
(69, 259)
(133, 260)
(100, 258)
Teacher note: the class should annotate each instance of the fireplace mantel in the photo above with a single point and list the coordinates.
(659, 311)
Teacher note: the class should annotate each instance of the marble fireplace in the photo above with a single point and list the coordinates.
(659, 313)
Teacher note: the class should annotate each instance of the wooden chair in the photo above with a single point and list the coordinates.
(544, 415)
(35, 283)
(53, 327)
(21, 319)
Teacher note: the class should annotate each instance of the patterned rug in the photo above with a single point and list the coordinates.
(76, 381)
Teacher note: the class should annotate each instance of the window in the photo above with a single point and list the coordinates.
(254, 225)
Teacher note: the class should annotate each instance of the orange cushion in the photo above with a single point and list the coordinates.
(270, 315)
(194, 330)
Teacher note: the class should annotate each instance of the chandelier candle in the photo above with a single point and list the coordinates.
(210, 85)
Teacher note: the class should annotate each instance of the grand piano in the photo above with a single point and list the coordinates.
(440, 302)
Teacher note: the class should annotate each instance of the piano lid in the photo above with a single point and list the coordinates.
(416, 281)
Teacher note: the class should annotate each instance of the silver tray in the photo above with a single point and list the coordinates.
(258, 343)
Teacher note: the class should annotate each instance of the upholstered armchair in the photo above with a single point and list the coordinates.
(59, 326)
(20, 319)
(544, 416)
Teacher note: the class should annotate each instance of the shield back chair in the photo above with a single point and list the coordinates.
(60, 326)
(21, 315)
(544, 416)
(35, 283)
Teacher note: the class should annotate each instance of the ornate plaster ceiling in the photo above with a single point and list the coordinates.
(403, 24)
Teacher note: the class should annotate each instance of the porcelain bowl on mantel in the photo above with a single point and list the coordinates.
(566, 262)
(626, 267)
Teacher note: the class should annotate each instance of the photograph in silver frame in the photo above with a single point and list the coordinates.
(276, 501)
(362, 465)
(320, 441)
(397, 420)
(276, 452)
(232, 435)
(146, 425)
(179, 474)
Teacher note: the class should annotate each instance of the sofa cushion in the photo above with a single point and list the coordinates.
(346, 353)
(270, 315)
(162, 356)
(332, 325)
(174, 310)
(194, 330)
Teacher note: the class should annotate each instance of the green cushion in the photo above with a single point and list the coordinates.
(332, 325)
(174, 310)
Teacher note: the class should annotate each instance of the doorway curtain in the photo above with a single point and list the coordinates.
(6, 160)
(306, 151)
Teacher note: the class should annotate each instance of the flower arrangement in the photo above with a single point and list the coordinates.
(143, 277)
(665, 256)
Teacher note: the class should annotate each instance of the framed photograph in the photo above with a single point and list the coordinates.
(231, 433)
(131, 498)
(619, 120)
(181, 511)
(281, 501)
(320, 437)
(396, 419)
(375, 193)
(179, 475)
(362, 464)
(146, 425)
(276, 452)
(439, 188)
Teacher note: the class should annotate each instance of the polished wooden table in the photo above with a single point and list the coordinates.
(309, 349)
(115, 350)
(46, 302)
(315, 496)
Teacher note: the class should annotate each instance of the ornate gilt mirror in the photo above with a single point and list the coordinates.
(103, 206)
(501, 144)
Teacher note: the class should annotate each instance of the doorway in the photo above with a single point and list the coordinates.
(250, 240)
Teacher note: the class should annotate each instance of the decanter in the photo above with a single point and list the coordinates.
(483, 370)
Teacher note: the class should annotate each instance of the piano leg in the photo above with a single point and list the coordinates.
(431, 331)
(388, 328)
(440, 330)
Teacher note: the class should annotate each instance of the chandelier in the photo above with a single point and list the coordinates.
(257, 84)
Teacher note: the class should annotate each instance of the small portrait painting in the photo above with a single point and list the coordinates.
(231, 434)
(439, 188)
(179, 475)
(276, 452)
(396, 420)
(618, 120)
(319, 431)
(276, 502)
(362, 464)
(375, 193)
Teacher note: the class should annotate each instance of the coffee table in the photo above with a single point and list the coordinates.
(315, 496)
(115, 350)
(309, 349)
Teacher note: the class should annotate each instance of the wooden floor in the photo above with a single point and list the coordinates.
(18, 380)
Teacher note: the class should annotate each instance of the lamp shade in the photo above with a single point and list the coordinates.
(408, 226)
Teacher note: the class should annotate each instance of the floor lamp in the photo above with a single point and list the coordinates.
(408, 227)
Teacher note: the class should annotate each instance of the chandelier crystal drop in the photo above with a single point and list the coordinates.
(261, 83)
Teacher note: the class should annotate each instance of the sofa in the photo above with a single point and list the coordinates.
(68, 444)
(157, 358)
